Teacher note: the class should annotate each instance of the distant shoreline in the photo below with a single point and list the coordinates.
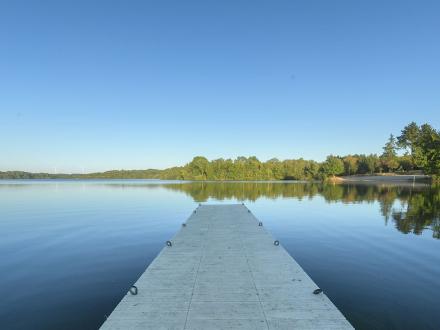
(374, 178)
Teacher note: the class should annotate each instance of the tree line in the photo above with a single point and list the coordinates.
(419, 148)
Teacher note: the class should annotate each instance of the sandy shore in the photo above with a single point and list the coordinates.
(384, 178)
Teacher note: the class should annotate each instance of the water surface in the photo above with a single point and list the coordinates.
(69, 250)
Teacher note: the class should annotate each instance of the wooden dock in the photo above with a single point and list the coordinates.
(222, 270)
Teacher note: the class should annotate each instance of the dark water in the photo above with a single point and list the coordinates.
(70, 250)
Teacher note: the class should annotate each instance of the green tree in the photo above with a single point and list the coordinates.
(311, 170)
(199, 168)
(350, 164)
(368, 164)
(406, 162)
(408, 140)
(429, 143)
(332, 166)
(389, 155)
(424, 145)
(274, 169)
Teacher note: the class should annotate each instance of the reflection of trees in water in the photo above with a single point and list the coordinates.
(202, 191)
(420, 205)
(422, 210)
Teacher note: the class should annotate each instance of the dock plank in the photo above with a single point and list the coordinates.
(224, 272)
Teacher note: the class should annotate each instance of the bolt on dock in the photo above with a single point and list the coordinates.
(223, 270)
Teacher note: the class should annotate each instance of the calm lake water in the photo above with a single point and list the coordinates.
(69, 250)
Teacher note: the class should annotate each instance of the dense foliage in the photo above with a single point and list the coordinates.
(420, 146)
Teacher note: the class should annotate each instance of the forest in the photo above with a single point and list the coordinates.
(417, 148)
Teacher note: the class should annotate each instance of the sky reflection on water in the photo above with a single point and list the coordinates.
(70, 249)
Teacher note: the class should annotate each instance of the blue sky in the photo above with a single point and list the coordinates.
(96, 85)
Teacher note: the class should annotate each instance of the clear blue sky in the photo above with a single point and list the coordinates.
(99, 85)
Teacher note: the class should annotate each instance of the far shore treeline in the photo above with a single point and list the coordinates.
(417, 148)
